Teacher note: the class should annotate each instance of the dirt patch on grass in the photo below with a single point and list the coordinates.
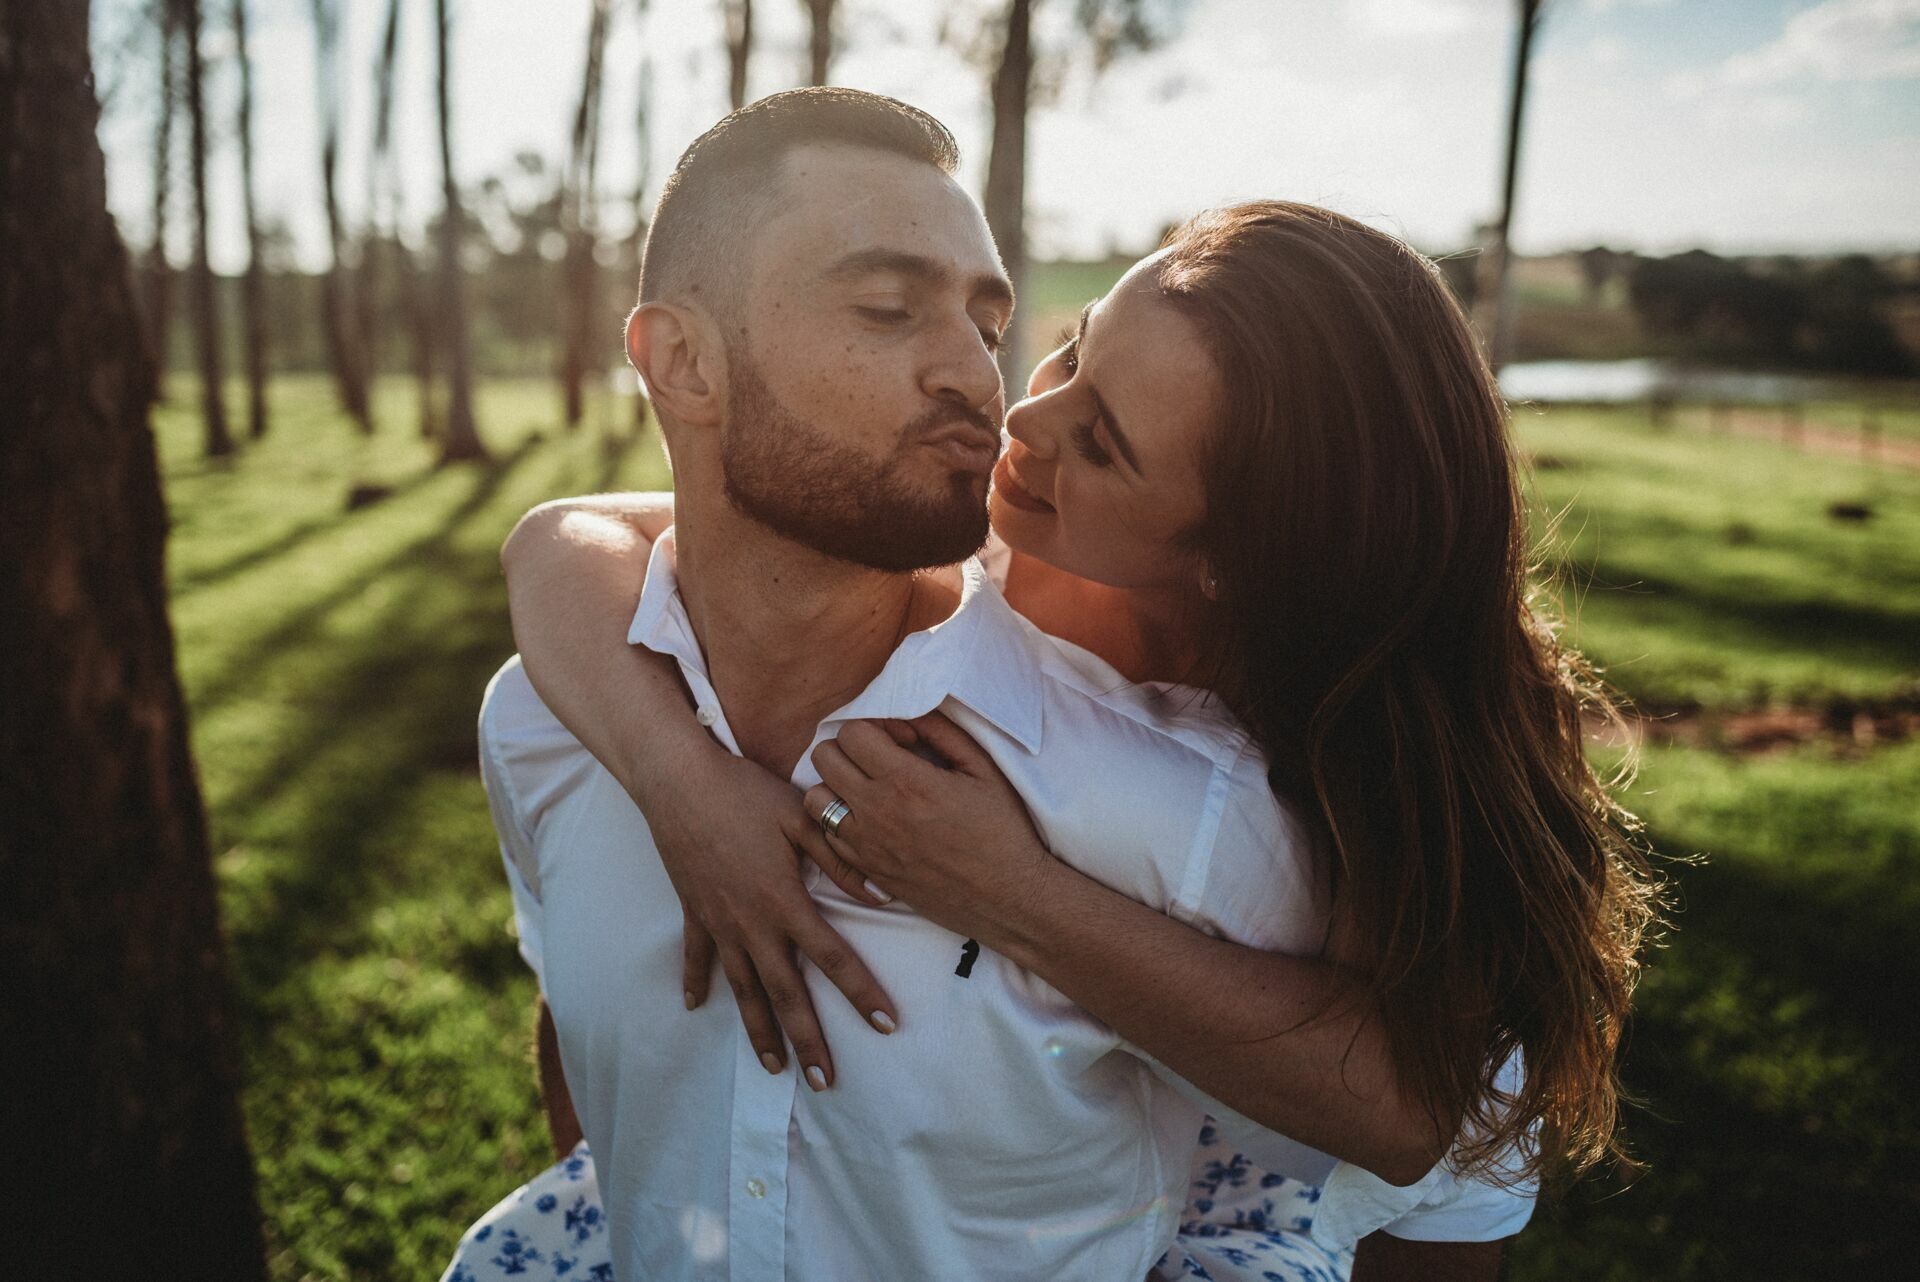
(1846, 726)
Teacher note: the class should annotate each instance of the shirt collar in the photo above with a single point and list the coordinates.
(984, 655)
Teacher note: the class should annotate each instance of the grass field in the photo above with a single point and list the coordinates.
(334, 663)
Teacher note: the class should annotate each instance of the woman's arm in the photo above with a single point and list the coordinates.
(574, 572)
(957, 845)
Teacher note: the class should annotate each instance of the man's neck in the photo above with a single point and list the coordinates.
(789, 634)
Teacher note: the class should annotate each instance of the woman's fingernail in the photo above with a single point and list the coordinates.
(882, 1021)
(876, 892)
(816, 1077)
(772, 1062)
(692, 1001)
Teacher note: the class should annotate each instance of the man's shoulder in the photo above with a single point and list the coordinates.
(523, 744)
(1166, 723)
(512, 711)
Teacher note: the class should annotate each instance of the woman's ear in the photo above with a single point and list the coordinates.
(671, 348)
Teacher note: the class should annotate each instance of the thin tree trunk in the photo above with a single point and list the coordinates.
(581, 300)
(1500, 295)
(738, 15)
(819, 40)
(384, 209)
(643, 176)
(420, 339)
(462, 439)
(115, 1042)
(382, 229)
(253, 297)
(206, 303)
(158, 293)
(1006, 194)
(343, 352)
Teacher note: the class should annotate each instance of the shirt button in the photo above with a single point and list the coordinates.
(707, 716)
(756, 1188)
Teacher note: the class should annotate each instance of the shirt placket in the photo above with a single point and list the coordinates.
(757, 1166)
(757, 1202)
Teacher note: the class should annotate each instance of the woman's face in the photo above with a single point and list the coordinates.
(1103, 473)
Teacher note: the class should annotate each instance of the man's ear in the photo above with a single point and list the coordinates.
(675, 352)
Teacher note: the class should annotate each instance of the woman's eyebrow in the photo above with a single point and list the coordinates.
(1120, 441)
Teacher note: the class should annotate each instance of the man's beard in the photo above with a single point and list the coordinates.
(785, 473)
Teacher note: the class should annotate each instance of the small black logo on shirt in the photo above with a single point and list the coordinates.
(969, 954)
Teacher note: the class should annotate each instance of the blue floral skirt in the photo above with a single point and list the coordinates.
(1241, 1225)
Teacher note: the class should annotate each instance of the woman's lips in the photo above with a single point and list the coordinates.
(1008, 487)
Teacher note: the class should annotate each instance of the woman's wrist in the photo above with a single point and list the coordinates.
(674, 752)
(1028, 922)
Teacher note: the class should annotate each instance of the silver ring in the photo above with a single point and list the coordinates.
(833, 816)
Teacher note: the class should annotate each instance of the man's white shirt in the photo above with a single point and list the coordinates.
(1001, 1131)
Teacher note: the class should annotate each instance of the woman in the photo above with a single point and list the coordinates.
(1270, 465)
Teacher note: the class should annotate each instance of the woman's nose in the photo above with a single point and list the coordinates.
(1029, 422)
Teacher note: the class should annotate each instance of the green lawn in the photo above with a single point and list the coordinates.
(1706, 569)
(334, 663)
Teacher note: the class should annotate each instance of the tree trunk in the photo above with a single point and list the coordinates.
(157, 296)
(384, 212)
(253, 296)
(1006, 194)
(581, 298)
(206, 303)
(738, 15)
(643, 175)
(461, 440)
(120, 1115)
(338, 319)
(1499, 293)
(819, 40)
(378, 247)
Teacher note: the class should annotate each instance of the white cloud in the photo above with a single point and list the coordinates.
(1840, 40)
(1425, 17)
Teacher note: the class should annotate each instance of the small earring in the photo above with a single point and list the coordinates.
(1210, 587)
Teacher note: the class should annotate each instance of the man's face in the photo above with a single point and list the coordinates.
(864, 404)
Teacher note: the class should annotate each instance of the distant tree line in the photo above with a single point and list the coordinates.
(1828, 314)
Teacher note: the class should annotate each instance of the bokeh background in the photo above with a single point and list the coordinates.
(396, 239)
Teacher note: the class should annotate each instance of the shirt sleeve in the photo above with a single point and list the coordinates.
(1442, 1207)
(1252, 878)
(517, 850)
(1254, 875)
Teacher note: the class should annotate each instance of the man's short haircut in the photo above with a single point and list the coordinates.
(727, 183)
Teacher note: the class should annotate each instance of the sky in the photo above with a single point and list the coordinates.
(1737, 125)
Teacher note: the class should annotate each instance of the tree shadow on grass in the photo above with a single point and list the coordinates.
(287, 541)
(401, 703)
(1774, 1050)
(1840, 630)
(274, 645)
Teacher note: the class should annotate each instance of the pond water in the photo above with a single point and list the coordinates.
(1622, 382)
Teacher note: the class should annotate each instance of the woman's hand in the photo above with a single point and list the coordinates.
(731, 835)
(953, 840)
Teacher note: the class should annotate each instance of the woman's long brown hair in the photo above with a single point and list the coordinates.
(1383, 641)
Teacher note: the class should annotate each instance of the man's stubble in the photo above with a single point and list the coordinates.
(799, 482)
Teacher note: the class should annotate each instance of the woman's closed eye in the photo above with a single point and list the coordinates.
(883, 315)
(1088, 446)
(1069, 350)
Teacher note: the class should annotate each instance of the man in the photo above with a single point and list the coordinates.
(820, 304)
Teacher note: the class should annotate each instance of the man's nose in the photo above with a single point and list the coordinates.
(964, 370)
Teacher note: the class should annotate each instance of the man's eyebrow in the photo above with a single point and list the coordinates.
(1120, 440)
(990, 286)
